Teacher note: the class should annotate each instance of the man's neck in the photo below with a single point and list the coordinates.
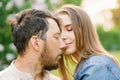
(28, 65)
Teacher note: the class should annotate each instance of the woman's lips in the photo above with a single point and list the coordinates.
(67, 44)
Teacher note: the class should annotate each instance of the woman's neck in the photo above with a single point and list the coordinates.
(78, 56)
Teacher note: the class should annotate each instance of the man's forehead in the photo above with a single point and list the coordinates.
(53, 26)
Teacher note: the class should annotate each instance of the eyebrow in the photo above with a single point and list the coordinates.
(58, 33)
(68, 25)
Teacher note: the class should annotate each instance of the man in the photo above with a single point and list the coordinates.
(35, 34)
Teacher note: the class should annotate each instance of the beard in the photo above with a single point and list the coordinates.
(52, 67)
(47, 60)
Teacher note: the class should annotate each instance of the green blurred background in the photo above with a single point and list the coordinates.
(110, 39)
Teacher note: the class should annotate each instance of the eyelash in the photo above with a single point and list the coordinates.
(56, 37)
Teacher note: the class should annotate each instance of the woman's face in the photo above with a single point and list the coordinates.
(68, 42)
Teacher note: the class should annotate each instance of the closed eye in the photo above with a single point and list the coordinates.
(69, 28)
(56, 36)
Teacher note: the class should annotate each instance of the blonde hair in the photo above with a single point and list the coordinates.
(86, 36)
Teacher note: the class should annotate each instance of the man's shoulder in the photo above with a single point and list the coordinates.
(6, 74)
(50, 76)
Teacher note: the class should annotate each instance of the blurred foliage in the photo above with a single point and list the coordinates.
(116, 14)
(118, 1)
(7, 53)
(110, 39)
(76, 2)
(52, 6)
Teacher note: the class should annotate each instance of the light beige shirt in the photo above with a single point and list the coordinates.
(12, 73)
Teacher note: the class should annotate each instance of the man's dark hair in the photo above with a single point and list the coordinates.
(26, 24)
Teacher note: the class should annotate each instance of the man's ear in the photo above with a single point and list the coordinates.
(36, 43)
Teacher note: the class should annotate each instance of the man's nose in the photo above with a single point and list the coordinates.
(62, 45)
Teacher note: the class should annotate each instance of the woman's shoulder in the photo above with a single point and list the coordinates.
(102, 59)
(101, 62)
(96, 67)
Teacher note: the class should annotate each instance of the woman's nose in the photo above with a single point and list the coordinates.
(63, 36)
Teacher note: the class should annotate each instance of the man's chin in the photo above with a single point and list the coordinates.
(49, 68)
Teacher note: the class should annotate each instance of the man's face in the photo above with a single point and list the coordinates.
(51, 54)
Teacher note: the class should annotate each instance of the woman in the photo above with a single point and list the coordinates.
(80, 43)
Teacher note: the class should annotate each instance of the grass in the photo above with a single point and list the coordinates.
(114, 53)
